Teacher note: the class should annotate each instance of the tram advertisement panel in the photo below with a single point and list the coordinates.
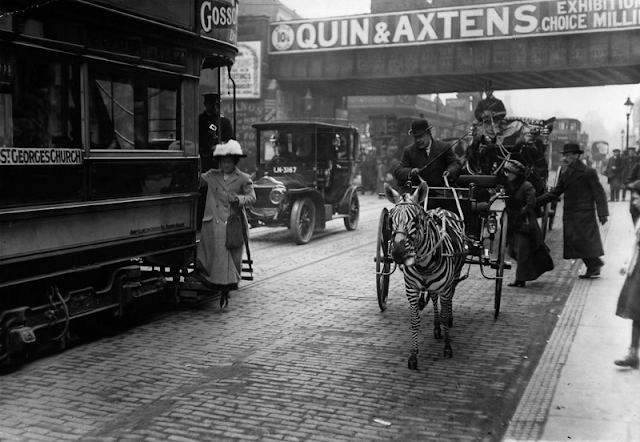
(219, 20)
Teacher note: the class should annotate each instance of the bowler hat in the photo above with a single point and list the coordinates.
(419, 126)
(615, 150)
(572, 148)
(515, 167)
(229, 149)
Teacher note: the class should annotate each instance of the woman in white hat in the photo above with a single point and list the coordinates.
(229, 192)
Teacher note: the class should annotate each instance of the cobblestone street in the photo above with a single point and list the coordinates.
(301, 353)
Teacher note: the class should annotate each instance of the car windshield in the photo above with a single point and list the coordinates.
(291, 144)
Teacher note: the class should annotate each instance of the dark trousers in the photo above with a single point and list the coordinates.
(592, 263)
(615, 194)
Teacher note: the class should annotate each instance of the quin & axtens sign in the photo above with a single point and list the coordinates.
(532, 18)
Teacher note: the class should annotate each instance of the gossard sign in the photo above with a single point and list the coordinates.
(453, 24)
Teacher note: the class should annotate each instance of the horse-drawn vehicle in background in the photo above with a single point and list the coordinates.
(432, 238)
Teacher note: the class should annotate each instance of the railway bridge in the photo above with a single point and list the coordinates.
(453, 46)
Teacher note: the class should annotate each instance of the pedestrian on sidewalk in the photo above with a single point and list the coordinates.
(524, 238)
(584, 199)
(630, 159)
(629, 299)
(615, 174)
(633, 176)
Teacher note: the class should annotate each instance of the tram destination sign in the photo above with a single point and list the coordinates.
(21, 156)
(505, 20)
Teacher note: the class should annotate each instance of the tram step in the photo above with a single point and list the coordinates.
(384, 259)
(246, 273)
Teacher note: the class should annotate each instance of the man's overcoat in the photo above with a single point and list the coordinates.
(584, 201)
(441, 157)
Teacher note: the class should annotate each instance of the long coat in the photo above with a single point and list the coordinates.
(217, 265)
(584, 199)
(527, 248)
(440, 158)
(629, 299)
(615, 171)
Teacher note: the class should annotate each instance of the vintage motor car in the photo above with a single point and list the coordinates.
(304, 176)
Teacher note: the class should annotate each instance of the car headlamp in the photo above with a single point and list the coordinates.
(277, 194)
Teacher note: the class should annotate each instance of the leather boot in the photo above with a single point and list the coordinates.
(631, 360)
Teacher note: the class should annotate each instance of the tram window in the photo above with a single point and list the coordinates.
(129, 113)
(40, 109)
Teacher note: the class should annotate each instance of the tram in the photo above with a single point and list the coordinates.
(99, 164)
(565, 130)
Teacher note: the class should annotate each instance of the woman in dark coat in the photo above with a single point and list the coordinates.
(229, 191)
(584, 199)
(629, 299)
(524, 238)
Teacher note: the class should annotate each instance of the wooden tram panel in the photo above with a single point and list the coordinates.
(80, 225)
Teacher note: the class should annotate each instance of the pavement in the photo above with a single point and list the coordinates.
(576, 392)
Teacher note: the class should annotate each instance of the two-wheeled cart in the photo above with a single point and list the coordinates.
(485, 227)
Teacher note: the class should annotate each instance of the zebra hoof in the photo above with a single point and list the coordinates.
(437, 333)
(448, 353)
(413, 362)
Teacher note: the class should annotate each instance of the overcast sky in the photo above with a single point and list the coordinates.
(604, 104)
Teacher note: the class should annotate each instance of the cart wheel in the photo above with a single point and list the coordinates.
(303, 220)
(351, 221)
(502, 254)
(383, 264)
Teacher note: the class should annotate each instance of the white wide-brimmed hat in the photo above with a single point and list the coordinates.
(229, 149)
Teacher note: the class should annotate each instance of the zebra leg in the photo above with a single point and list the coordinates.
(423, 301)
(437, 333)
(412, 295)
(447, 320)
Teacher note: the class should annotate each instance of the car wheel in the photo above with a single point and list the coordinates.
(351, 221)
(303, 220)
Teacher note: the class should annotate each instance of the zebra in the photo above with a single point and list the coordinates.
(432, 248)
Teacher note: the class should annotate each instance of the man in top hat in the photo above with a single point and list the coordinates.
(615, 174)
(214, 128)
(584, 199)
(426, 158)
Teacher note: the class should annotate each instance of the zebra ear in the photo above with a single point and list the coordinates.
(421, 193)
(391, 194)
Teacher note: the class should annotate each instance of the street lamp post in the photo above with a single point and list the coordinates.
(629, 105)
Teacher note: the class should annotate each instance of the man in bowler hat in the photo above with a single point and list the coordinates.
(585, 203)
(426, 158)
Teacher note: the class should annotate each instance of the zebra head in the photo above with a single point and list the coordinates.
(406, 218)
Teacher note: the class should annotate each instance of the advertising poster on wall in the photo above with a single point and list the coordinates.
(246, 71)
